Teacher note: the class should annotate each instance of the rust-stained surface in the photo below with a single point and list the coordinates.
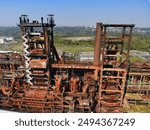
(139, 78)
(40, 81)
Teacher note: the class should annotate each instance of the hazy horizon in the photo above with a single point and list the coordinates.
(68, 26)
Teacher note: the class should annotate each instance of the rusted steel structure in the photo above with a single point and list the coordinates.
(9, 63)
(113, 67)
(46, 83)
(138, 84)
(139, 78)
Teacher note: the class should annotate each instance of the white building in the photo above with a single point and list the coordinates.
(2, 41)
(9, 39)
(86, 56)
(6, 39)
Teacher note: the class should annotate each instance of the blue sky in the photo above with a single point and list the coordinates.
(78, 12)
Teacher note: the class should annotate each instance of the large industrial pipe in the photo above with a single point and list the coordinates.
(97, 44)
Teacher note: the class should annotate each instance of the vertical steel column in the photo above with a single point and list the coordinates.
(97, 44)
(129, 44)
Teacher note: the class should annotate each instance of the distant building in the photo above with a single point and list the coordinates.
(9, 39)
(86, 56)
(2, 41)
(6, 39)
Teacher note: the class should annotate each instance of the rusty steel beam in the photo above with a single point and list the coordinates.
(97, 44)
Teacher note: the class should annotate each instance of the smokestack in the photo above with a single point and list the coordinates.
(97, 44)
